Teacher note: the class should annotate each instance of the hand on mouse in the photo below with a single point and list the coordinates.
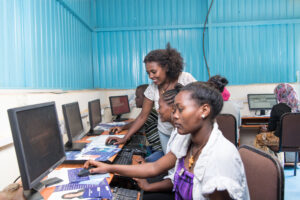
(116, 129)
(118, 140)
(100, 167)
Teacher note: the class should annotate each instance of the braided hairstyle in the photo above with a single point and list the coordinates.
(169, 95)
(169, 59)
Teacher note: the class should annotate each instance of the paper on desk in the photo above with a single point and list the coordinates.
(100, 140)
(107, 126)
(69, 175)
(80, 191)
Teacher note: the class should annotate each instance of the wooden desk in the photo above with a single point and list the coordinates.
(48, 191)
(254, 122)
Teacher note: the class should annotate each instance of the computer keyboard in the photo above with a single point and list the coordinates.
(125, 194)
(137, 140)
(124, 157)
(136, 149)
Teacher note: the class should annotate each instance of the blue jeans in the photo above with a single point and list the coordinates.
(164, 139)
(154, 155)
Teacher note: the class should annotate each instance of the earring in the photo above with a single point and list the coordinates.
(203, 116)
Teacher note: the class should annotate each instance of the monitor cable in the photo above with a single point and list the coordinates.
(206, 19)
(17, 179)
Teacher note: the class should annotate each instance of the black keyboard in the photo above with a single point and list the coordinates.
(124, 158)
(136, 149)
(137, 140)
(125, 194)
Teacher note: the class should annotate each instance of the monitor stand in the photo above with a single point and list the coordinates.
(34, 193)
(95, 132)
(71, 146)
(119, 119)
(262, 112)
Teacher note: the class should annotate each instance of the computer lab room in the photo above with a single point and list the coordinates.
(150, 99)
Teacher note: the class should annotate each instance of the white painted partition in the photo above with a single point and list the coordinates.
(14, 98)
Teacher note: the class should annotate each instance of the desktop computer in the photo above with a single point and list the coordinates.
(35, 130)
(261, 102)
(119, 105)
(94, 117)
(74, 126)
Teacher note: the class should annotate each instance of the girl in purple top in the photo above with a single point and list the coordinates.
(194, 112)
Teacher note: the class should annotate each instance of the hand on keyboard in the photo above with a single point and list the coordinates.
(100, 167)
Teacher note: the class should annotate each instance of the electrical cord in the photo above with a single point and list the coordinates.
(207, 67)
(17, 179)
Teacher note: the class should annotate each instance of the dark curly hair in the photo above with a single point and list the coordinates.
(202, 93)
(219, 82)
(168, 58)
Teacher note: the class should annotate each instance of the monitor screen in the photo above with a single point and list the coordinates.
(95, 113)
(35, 130)
(119, 105)
(73, 121)
(261, 101)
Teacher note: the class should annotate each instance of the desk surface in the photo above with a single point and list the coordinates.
(254, 121)
(48, 191)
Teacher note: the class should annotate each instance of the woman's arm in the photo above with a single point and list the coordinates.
(165, 185)
(139, 171)
(137, 123)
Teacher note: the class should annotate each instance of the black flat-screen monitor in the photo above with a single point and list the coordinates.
(38, 143)
(119, 105)
(261, 102)
(74, 126)
(94, 116)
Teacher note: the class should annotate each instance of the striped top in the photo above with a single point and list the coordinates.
(152, 131)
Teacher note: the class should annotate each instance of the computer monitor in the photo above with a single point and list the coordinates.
(119, 105)
(38, 144)
(94, 116)
(261, 102)
(74, 126)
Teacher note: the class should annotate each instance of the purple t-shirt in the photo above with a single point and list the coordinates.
(183, 182)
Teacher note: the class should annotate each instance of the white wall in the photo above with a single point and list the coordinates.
(16, 98)
(12, 98)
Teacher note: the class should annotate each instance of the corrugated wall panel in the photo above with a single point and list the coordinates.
(248, 41)
(46, 47)
(11, 57)
(82, 8)
(258, 54)
(253, 10)
(137, 13)
(121, 54)
(139, 26)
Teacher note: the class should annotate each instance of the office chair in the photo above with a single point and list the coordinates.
(265, 177)
(227, 124)
(289, 140)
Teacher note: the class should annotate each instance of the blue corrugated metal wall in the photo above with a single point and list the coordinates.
(80, 44)
(128, 30)
(45, 45)
(248, 41)
(255, 41)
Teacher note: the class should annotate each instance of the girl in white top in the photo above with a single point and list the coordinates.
(165, 68)
(209, 161)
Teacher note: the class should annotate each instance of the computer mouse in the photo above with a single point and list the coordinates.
(111, 142)
(85, 172)
(112, 132)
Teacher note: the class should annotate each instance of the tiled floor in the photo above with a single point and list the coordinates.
(292, 184)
